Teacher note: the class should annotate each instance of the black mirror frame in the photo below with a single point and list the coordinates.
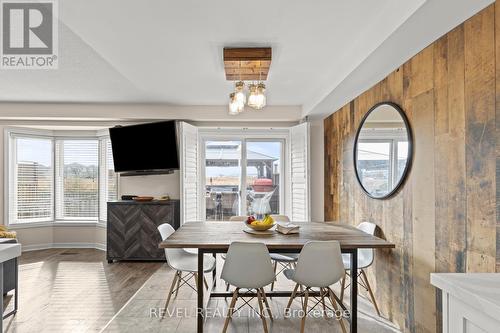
(410, 150)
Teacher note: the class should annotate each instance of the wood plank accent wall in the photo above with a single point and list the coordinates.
(446, 216)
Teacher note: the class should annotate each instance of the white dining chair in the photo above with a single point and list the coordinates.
(238, 218)
(248, 266)
(183, 262)
(282, 260)
(365, 260)
(310, 273)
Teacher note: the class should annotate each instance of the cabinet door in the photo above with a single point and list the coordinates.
(151, 217)
(122, 222)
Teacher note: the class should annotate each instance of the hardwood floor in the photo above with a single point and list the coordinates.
(141, 314)
(73, 290)
(76, 290)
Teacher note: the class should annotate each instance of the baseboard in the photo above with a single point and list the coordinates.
(34, 247)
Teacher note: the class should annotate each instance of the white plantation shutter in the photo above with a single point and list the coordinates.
(108, 179)
(77, 180)
(299, 172)
(190, 169)
(31, 178)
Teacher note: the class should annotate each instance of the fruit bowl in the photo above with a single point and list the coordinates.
(261, 227)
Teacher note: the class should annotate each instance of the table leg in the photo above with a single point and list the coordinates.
(200, 310)
(16, 289)
(16, 299)
(214, 272)
(354, 291)
(1, 293)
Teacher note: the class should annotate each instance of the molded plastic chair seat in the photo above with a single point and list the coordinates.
(183, 261)
(363, 260)
(289, 257)
(248, 266)
(189, 263)
(289, 273)
(309, 273)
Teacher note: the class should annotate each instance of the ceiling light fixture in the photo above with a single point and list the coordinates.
(240, 94)
(247, 64)
(235, 106)
(257, 98)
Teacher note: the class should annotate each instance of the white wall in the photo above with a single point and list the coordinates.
(81, 236)
(153, 185)
(140, 112)
(97, 116)
(317, 170)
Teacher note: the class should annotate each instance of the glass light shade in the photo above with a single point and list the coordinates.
(257, 98)
(240, 94)
(235, 106)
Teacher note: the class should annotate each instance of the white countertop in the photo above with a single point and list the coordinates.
(9, 251)
(479, 290)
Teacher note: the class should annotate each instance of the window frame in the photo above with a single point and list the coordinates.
(9, 169)
(59, 163)
(53, 135)
(381, 137)
(245, 135)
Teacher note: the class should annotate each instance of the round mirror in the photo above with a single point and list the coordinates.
(383, 150)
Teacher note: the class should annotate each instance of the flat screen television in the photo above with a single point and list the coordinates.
(150, 148)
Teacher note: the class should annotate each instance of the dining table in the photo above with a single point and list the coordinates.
(212, 237)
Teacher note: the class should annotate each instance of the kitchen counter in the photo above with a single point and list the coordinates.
(8, 251)
(471, 301)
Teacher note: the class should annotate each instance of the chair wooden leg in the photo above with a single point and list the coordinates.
(323, 293)
(178, 284)
(230, 311)
(370, 291)
(301, 293)
(268, 308)
(205, 282)
(342, 288)
(275, 269)
(303, 322)
(171, 290)
(334, 304)
(291, 298)
(261, 307)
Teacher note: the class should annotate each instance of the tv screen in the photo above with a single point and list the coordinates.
(145, 147)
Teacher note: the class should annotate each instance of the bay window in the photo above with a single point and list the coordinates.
(31, 179)
(59, 179)
(77, 179)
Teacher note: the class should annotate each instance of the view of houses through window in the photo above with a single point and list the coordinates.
(77, 179)
(60, 179)
(242, 178)
(32, 180)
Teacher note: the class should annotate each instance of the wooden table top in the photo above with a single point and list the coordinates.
(219, 235)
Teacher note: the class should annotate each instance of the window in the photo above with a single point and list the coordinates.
(109, 181)
(242, 177)
(263, 177)
(77, 179)
(374, 160)
(381, 162)
(31, 177)
(59, 179)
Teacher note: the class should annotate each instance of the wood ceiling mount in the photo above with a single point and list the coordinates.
(247, 64)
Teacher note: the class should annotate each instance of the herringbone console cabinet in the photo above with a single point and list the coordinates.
(132, 232)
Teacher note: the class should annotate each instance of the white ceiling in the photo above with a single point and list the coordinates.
(160, 51)
(169, 53)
